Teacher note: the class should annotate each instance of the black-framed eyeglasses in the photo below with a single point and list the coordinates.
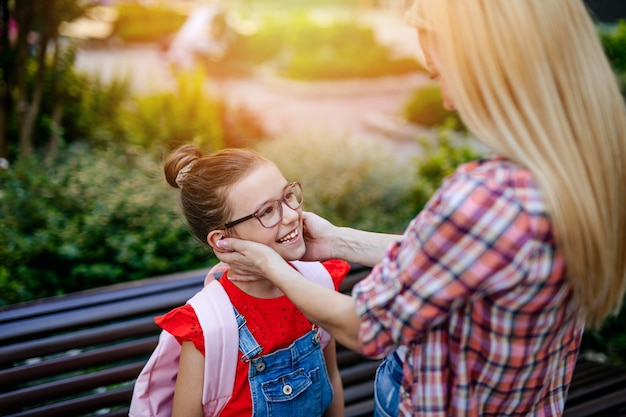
(271, 213)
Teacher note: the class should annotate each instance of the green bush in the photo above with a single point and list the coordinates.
(614, 43)
(93, 110)
(89, 109)
(338, 50)
(610, 339)
(139, 23)
(293, 42)
(96, 217)
(103, 216)
(189, 114)
(425, 107)
(357, 183)
(346, 182)
(439, 160)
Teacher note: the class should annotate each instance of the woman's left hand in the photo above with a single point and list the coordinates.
(248, 260)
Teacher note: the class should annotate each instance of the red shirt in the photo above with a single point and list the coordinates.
(275, 323)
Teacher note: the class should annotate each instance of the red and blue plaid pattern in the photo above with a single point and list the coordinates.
(477, 290)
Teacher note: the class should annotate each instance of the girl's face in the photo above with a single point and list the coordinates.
(266, 183)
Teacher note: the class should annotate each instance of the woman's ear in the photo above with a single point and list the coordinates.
(214, 236)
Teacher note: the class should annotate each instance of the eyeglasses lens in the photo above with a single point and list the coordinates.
(294, 197)
(272, 213)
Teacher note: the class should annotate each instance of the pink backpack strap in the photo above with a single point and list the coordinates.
(317, 272)
(221, 340)
(153, 394)
(216, 271)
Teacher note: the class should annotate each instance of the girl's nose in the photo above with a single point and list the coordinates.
(289, 214)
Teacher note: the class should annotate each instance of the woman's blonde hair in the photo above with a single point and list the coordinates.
(531, 81)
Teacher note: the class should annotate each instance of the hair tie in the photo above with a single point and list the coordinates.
(183, 173)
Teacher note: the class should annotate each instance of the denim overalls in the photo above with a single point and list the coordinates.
(288, 382)
(387, 386)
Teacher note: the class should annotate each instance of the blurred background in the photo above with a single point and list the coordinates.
(94, 93)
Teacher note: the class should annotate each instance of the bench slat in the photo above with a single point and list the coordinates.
(108, 355)
(358, 392)
(70, 386)
(37, 347)
(79, 406)
(359, 372)
(92, 315)
(597, 385)
(104, 295)
(606, 404)
(363, 408)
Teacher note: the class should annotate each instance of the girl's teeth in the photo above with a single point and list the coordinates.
(289, 237)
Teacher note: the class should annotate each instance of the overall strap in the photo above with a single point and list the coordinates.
(248, 345)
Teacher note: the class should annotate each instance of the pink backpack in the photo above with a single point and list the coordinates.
(153, 395)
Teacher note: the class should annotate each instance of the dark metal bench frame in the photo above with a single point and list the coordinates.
(79, 354)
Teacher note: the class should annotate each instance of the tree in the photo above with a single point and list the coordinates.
(29, 31)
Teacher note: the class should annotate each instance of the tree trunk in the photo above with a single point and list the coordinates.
(5, 97)
(24, 17)
(57, 107)
(32, 110)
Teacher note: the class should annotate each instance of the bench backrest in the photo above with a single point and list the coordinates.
(79, 354)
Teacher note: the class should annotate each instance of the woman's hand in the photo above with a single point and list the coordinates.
(327, 241)
(317, 236)
(330, 309)
(248, 260)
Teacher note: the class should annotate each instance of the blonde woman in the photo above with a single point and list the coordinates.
(484, 299)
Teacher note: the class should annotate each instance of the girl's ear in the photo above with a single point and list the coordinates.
(214, 236)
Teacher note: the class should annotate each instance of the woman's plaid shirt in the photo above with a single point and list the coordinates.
(477, 290)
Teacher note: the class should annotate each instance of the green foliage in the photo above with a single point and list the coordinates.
(146, 23)
(301, 48)
(94, 218)
(245, 55)
(346, 181)
(190, 114)
(359, 184)
(614, 43)
(100, 217)
(297, 45)
(425, 107)
(338, 49)
(439, 160)
(610, 339)
(90, 109)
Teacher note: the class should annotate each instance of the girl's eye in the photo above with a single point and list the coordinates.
(266, 211)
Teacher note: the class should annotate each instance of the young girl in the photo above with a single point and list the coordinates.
(285, 365)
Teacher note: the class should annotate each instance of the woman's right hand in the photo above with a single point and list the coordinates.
(327, 241)
(318, 233)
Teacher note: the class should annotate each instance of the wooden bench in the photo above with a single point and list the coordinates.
(78, 354)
